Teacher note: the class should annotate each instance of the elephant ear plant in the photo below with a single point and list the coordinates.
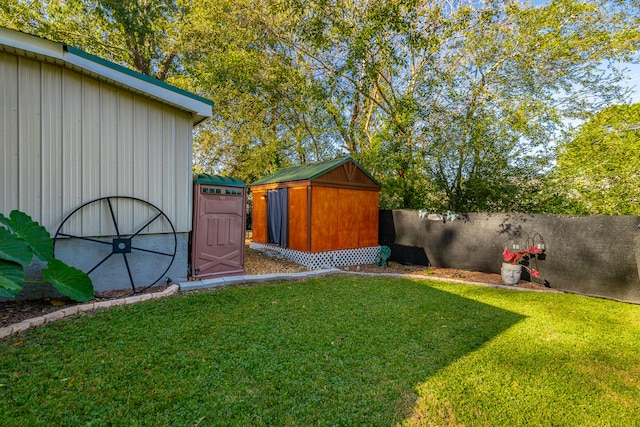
(20, 239)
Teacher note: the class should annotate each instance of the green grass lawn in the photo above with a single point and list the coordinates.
(345, 351)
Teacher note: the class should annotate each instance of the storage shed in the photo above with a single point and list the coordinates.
(219, 222)
(318, 214)
(75, 128)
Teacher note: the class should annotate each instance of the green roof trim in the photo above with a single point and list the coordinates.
(135, 74)
(223, 181)
(308, 172)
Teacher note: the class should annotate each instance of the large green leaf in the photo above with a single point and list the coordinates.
(6, 293)
(70, 281)
(11, 278)
(13, 248)
(31, 232)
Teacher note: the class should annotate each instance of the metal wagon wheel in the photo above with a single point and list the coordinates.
(127, 249)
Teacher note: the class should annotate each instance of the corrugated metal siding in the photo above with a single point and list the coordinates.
(67, 139)
(29, 138)
(51, 160)
(9, 131)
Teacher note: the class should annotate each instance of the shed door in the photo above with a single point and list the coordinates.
(277, 216)
(218, 234)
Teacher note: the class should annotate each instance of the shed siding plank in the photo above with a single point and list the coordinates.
(90, 163)
(259, 217)
(141, 154)
(298, 218)
(348, 220)
(29, 137)
(125, 163)
(183, 176)
(368, 230)
(72, 117)
(169, 161)
(9, 133)
(51, 145)
(323, 217)
(156, 156)
(108, 154)
(126, 159)
(343, 219)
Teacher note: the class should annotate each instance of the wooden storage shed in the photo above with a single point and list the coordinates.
(75, 128)
(321, 207)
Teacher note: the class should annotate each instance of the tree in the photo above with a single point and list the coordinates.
(599, 166)
(463, 96)
(267, 111)
(145, 35)
(450, 104)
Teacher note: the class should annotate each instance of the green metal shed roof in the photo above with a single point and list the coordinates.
(23, 44)
(308, 172)
(135, 74)
(223, 181)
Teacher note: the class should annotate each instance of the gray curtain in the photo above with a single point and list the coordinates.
(277, 208)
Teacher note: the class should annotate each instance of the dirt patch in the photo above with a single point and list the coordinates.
(258, 263)
(255, 263)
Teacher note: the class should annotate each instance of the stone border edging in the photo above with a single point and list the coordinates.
(75, 309)
(238, 280)
(260, 278)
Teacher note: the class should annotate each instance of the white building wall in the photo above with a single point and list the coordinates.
(8, 132)
(66, 139)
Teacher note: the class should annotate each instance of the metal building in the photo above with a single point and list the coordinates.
(76, 128)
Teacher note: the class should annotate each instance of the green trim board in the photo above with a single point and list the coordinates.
(135, 74)
(309, 172)
(222, 181)
(44, 50)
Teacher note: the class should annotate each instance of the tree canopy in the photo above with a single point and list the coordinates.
(450, 104)
(454, 104)
(146, 35)
(599, 166)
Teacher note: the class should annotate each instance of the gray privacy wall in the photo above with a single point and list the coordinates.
(591, 255)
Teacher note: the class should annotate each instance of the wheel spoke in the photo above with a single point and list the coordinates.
(85, 238)
(113, 217)
(146, 225)
(126, 263)
(100, 263)
(151, 251)
(113, 243)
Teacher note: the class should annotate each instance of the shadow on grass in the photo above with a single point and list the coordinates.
(346, 350)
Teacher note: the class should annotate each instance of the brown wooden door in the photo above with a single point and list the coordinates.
(217, 242)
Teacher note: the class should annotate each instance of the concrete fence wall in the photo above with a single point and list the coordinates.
(592, 255)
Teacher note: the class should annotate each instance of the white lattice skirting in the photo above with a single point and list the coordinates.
(315, 260)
